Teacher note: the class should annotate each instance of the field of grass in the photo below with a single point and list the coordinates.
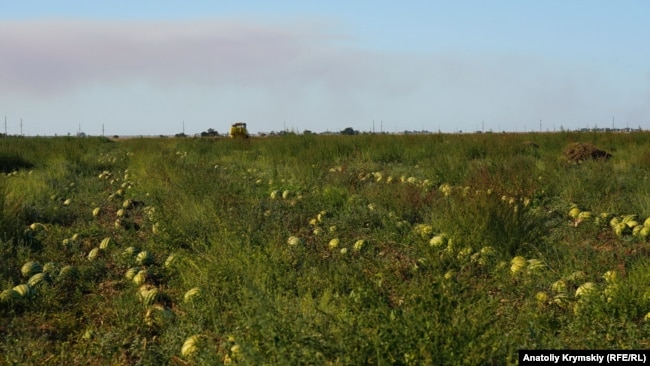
(333, 250)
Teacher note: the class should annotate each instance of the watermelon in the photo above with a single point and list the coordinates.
(143, 258)
(105, 243)
(192, 294)
(31, 268)
(38, 279)
(93, 254)
(24, 290)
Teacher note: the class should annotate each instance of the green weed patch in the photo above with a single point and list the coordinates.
(339, 250)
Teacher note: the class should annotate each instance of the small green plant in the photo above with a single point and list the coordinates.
(483, 218)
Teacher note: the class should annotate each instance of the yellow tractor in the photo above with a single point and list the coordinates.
(238, 130)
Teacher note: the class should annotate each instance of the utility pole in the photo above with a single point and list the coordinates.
(102, 130)
(21, 126)
(5, 125)
(540, 125)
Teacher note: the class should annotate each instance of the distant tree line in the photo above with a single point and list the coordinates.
(349, 131)
(211, 132)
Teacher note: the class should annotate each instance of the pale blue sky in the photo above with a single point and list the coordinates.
(144, 67)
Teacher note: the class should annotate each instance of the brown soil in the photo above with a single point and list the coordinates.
(578, 152)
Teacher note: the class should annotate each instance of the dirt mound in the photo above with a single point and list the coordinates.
(580, 151)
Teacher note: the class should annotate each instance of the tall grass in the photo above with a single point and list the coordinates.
(362, 283)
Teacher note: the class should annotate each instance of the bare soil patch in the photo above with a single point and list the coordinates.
(578, 152)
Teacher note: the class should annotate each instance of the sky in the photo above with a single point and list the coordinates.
(164, 67)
